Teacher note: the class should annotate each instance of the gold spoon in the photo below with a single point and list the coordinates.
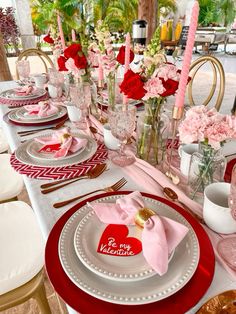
(172, 195)
(94, 130)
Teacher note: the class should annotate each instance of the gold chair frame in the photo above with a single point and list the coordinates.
(216, 68)
(32, 289)
(31, 52)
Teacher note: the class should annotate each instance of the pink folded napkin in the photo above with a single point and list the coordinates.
(24, 91)
(160, 235)
(42, 109)
(68, 143)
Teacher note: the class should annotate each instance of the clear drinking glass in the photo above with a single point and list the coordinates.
(81, 96)
(56, 80)
(23, 68)
(122, 121)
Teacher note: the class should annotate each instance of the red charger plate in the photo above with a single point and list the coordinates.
(178, 303)
(55, 121)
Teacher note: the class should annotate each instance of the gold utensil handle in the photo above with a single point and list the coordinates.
(48, 185)
(46, 191)
(64, 203)
(196, 216)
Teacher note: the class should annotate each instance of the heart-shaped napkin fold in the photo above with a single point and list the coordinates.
(68, 143)
(24, 91)
(160, 235)
(42, 109)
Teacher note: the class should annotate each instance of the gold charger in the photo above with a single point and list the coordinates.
(223, 303)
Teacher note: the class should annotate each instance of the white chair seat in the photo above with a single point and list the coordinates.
(3, 142)
(21, 245)
(11, 182)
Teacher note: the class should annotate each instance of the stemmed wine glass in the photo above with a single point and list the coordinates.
(81, 97)
(23, 68)
(122, 121)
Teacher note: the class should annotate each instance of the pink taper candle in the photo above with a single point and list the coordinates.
(127, 52)
(73, 35)
(179, 102)
(61, 32)
(127, 58)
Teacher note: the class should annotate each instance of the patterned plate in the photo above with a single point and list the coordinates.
(23, 114)
(11, 94)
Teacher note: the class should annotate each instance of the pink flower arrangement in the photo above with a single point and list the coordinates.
(207, 125)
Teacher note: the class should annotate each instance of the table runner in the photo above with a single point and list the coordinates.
(149, 176)
(56, 173)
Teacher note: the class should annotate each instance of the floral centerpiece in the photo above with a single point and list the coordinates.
(211, 129)
(110, 62)
(56, 47)
(155, 80)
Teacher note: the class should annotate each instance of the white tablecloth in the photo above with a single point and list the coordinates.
(47, 215)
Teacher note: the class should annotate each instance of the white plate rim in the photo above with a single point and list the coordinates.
(42, 93)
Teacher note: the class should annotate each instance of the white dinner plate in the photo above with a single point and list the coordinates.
(34, 147)
(129, 268)
(13, 116)
(22, 113)
(11, 94)
(181, 267)
(22, 153)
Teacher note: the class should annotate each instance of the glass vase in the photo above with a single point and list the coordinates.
(111, 90)
(152, 132)
(206, 166)
(87, 80)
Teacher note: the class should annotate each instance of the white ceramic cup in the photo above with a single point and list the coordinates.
(40, 80)
(216, 211)
(185, 153)
(109, 140)
(74, 113)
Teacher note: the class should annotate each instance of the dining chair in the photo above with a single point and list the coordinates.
(3, 142)
(22, 257)
(11, 182)
(35, 52)
(218, 75)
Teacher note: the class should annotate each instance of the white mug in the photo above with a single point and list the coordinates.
(40, 80)
(185, 153)
(216, 211)
(109, 140)
(74, 113)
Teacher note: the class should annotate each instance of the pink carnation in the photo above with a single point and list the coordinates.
(154, 88)
(168, 71)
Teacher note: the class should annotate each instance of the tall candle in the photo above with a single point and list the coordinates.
(127, 58)
(127, 52)
(179, 102)
(73, 35)
(61, 32)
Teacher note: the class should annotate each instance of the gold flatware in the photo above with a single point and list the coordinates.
(223, 303)
(115, 187)
(172, 195)
(92, 174)
(94, 130)
(29, 132)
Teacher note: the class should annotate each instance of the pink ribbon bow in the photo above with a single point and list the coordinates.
(24, 91)
(68, 142)
(43, 109)
(160, 235)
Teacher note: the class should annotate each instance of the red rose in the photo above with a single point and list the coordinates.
(48, 39)
(121, 56)
(72, 50)
(61, 63)
(80, 61)
(170, 86)
(132, 85)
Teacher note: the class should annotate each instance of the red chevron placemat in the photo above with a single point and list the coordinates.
(56, 173)
(22, 102)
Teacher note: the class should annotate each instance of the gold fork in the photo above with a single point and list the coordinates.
(115, 187)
